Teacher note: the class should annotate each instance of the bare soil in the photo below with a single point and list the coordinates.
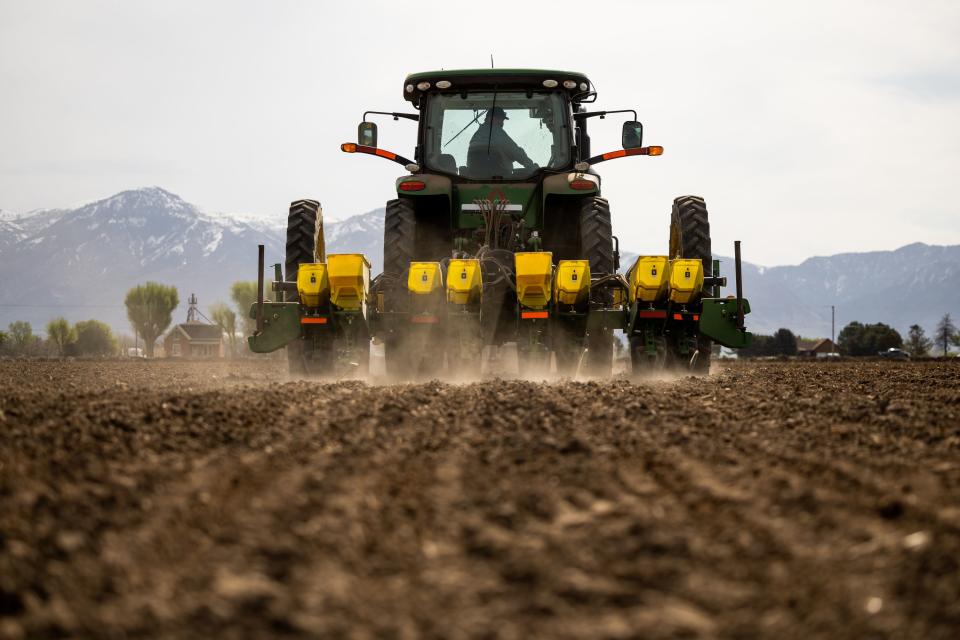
(777, 500)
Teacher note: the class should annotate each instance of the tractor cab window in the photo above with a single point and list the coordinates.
(510, 135)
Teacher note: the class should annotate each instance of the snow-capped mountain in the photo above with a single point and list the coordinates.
(10, 232)
(358, 234)
(80, 262)
(31, 222)
(915, 284)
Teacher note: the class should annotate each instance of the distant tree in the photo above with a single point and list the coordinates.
(784, 343)
(850, 339)
(945, 332)
(918, 344)
(21, 336)
(150, 310)
(60, 334)
(226, 319)
(760, 346)
(882, 337)
(94, 338)
(244, 294)
(4, 338)
(858, 339)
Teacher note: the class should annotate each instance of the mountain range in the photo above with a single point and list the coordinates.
(80, 262)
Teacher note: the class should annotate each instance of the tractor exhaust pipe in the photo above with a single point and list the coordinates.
(736, 260)
(260, 288)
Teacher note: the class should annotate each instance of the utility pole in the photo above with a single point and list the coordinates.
(833, 342)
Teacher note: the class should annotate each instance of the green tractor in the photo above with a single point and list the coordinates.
(499, 234)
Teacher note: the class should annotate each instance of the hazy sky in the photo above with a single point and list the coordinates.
(811, 127)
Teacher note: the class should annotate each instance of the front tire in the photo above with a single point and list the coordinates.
(399, 245)
(596, 245)
(304, 357)
(301, 238)
(690, 239)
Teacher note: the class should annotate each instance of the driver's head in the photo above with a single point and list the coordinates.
(497, 115)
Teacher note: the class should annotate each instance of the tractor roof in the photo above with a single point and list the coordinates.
(502, 79)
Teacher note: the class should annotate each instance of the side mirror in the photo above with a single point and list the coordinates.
(632, 134)
(367, 134)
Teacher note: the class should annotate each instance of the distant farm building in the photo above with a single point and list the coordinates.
(818, 348)
(193, 338)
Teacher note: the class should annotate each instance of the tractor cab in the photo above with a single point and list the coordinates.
(499, 125)
(496, 125)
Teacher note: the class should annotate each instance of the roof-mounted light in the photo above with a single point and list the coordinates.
(550, 84)
(423, 86)
(569, 84)
(443, 84)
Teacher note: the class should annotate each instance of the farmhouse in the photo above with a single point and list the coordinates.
(193, 338)
(817, 348)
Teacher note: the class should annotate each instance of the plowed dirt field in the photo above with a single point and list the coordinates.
(780, 500)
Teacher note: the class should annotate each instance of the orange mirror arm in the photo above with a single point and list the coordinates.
(623, 153)
(352, 147)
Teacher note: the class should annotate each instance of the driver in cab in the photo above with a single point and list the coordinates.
(492, 151)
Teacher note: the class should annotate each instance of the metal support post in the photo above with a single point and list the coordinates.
(259, 288)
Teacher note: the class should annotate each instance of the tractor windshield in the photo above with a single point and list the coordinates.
(505, 135)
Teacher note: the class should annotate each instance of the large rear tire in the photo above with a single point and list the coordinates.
(596, 245)
(690, 239)
(596, 235)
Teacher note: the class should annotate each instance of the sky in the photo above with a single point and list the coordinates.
(810, 128)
